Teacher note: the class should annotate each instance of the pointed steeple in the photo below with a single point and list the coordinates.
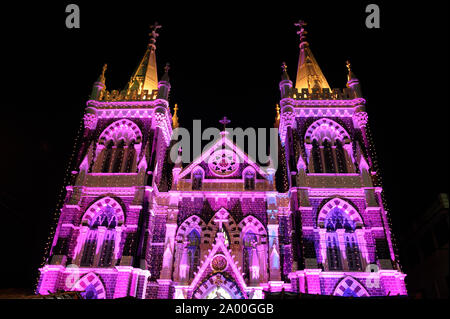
(285, 83)
(164, 84)
(146, 76)
(352, 81)
(309, 74)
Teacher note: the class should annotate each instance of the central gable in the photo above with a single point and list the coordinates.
(223, 160)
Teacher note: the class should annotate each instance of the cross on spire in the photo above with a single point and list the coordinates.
(302, 32)
(167, 67)
(284, 66)
(224, 121)
(154, 34)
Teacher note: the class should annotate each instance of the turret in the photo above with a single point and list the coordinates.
(164, 84)
(99, 85)
(285, 83)
(353, 82)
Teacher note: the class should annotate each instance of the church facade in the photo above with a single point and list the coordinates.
(136, 223)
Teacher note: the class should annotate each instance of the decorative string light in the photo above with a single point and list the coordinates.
(61, 196)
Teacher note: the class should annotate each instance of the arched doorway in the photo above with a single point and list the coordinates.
(217, 286)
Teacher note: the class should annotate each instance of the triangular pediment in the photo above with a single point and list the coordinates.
(211, 160)
(219, 251)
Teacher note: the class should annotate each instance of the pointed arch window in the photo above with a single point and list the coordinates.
(106, 218)
(107, 157)
(333, 252)
(340, 157)
(118, 157)
(249, 240)
(328, 157)
(90, 246)
(193, 251)
(130, 157)
(317, 161)
(337, 219)
(328, 153)
(197, 179)
(352, 252)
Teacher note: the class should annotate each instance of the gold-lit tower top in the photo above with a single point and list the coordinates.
(146, 76)
(309, 74)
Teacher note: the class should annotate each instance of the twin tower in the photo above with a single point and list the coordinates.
(135, 223)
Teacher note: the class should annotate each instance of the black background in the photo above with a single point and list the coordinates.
(225, 59)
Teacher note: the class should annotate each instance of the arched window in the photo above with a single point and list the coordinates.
(90, 245)
(340, 157)
(197, 179)
(326, 132)
(193, 251)
(106, 218)
(130, 157)
(317, 161)
(352, 252)
(333, 252)
(107, 157)
(337, 219)
(123, 134)
(328, 157)
(118, 157)
(249, 240)
(249, 180)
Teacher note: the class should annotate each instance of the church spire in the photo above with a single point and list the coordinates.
(309, 74)
(352, 81)
(146, 76)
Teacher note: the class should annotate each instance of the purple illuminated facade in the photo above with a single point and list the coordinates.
(134, 223)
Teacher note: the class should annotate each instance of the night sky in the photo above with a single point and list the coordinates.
(225, 60)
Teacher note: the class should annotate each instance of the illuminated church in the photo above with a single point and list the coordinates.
(135, 223)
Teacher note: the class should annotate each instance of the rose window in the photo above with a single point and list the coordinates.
(223, 162)
(219, 263)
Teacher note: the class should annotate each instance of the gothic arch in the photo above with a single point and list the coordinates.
(208, 285)
(101, 204)
(93, 281)
(326, 129)
(121, 130)
(344, 206)
(251, 223)
(230, 226)
(190, 223)
(349, 286)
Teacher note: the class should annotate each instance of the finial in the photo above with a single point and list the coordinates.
(350, 75)
(102, 76)
(167, 67)
(175, 116)
(302, 32)
(154, 34)
(224, 121)
(284, 66)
